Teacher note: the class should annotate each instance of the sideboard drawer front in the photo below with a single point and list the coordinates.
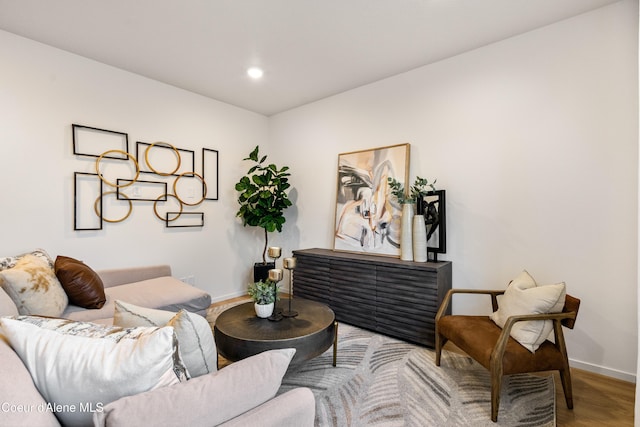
(383, 294)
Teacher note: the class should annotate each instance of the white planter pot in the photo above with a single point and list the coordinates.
(419, 239)
(406, 226)
(264, 310)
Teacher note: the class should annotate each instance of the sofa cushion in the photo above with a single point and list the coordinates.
(163, 293)
(23, 404)
(82, 366)
(204, 401)
(194, 333)
(33, 286)
(295, 408)
(122, 276)
(524, 296)
(82, 285)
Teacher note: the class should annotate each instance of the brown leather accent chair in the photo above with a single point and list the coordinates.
(497, 351)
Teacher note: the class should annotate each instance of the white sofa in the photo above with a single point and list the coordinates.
(226, 397)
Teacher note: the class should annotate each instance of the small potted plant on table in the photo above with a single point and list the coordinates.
(264, 296)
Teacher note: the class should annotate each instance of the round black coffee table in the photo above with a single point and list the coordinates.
(239, 333)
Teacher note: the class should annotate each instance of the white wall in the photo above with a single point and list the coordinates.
(42, 92)
(535, 141)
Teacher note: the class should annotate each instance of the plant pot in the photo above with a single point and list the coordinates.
(261, 270)
(264, 310)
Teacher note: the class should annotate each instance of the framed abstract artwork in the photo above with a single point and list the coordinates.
(367, 219)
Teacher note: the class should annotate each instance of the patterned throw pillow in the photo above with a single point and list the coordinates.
(33, 286)
(80, 367)
(197, 347)
(10, 261)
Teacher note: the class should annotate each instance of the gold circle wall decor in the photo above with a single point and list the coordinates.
(162, 144)
(204, 188)
(129, 156)
(95, 208)
(155, 210)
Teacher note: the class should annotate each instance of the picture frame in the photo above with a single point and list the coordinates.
(367, 218)
(434, 208)
(184, 219)
(141, 190)
(87, 190)
(93, 142)
(210, 172)
(164, 159)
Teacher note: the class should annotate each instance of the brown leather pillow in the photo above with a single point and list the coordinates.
(82, 285)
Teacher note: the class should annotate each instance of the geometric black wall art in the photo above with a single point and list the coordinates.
(157, 174)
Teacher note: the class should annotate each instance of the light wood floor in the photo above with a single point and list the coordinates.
(598, 400)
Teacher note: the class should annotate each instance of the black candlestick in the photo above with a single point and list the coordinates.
(290, 264)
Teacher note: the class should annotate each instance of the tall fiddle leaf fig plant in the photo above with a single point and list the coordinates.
(263, 196)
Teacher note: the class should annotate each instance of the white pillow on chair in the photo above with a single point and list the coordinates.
(525, 296)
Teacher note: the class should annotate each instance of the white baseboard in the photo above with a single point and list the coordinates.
(614, 373)
(238, 294)
(228, 296)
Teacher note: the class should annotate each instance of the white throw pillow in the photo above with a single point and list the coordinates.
(207, 400)
(79, 367)
(197, 347)
(33, 286)
(524, 296)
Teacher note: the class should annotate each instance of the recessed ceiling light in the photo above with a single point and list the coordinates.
(255, 72)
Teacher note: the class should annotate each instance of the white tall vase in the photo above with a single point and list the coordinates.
(406, 233)
(419, 239)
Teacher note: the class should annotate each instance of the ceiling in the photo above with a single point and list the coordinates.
(309, 49)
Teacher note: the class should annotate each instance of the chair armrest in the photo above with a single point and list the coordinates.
(501, 344)
(449, 295)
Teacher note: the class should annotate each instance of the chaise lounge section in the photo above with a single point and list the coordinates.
(147, 286)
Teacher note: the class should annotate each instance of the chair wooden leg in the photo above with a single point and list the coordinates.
(565, 372)
(565, 376)
(440, 342)
(496, 383)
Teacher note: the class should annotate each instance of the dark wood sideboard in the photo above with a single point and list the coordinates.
(379, 293)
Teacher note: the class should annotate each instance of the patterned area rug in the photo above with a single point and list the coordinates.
(381, 381)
